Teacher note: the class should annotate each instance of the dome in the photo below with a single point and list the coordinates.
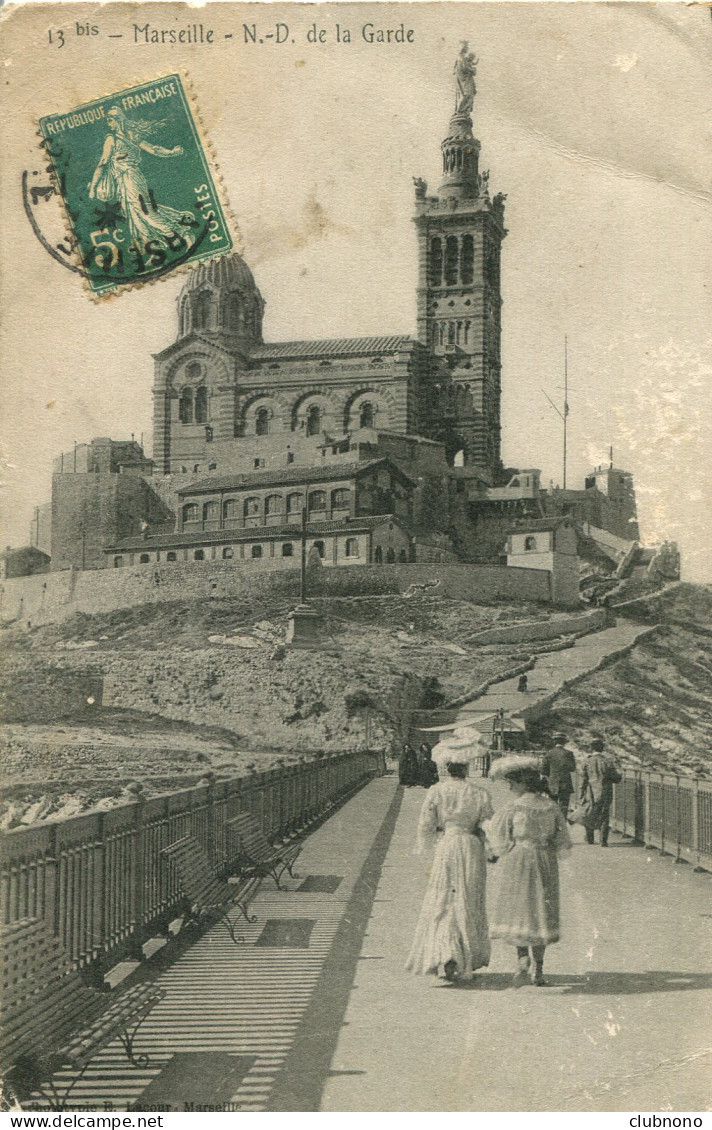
(221, 296)
(231, 271)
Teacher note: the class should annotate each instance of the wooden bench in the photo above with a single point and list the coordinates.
(207, 895)
(52, 1021)
(256, 854)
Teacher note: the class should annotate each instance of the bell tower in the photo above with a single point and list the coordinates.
(460, 233)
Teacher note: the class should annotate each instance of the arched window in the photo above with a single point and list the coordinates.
(202, 310)
(118, 562)
(320, 548)
(441, 329)
(317, 500)
(467, 260)
(352, 547)
(201, 404)
(378, 555)
(185, 406)
(273, 504)
(314, 420)
(390, 555)
(255, 551)
(451, 333)
(295, 504)
(193, 372)
(252, 507)
(144, 558)
(171, 556)
(467, 332)
(211, 512)
(234, 313)
(366, 416)
(287, 549)
(199, 555)
(530, 543)
(451, 256)
(403, 555)
(436, 262)
(191, 512)
(262, 421)
(340, 499)
(231, 508)
(228, 552)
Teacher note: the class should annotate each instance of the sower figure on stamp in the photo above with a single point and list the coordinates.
(119, 177)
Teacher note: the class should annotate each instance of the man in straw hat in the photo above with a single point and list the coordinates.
(527, 834)
(451, 937)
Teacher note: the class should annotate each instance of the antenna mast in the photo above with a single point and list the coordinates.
(565, 399)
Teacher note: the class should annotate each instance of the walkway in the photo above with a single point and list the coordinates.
(553, 669)
(315, 1011)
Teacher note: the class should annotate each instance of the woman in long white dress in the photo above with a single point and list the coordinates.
(527, 834)
(452, 936)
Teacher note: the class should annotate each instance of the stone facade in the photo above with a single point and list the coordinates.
(551, 546)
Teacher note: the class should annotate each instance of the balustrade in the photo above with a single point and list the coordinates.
(666, 811)
(98, 879)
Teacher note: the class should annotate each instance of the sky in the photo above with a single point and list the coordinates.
(595, 119)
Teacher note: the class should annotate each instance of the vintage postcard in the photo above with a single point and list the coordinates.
(355, 594)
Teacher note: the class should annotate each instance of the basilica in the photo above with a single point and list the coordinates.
(388, 445)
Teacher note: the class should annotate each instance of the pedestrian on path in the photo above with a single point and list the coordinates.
(527, 834)
(408, 766)
(451, 937)
(600, 774)
(427, 769)
(558, 765)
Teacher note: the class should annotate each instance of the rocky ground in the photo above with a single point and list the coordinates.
(163, 693)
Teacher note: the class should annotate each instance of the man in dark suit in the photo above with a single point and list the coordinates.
(559, 764)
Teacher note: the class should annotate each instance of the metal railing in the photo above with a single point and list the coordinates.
(99, 880)
(668, 812)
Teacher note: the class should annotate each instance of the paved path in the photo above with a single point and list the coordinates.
(315, 1011)
(553, 669)
(625, 1024)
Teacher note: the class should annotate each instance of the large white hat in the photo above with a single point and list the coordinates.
(503, 766)
(462, 745)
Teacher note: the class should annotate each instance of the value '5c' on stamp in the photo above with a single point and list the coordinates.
(136, 183)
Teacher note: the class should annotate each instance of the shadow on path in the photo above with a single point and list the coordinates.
(300, 1083)
(593, 984)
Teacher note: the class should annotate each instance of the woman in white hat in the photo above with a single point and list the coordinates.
(527, 834)
(452, 937)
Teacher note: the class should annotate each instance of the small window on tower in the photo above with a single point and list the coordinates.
(451, 258)
(467, 263)
(436, 262)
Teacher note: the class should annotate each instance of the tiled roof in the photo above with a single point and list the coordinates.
(534, 524)
(332, 347)
(253, 534)
(291, 474)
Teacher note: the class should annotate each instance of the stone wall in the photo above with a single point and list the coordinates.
(544, 629)
(54, 596)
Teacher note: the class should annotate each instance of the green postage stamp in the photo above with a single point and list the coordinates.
(133, 174)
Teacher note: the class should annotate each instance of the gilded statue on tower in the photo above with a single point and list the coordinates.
(465, 70)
